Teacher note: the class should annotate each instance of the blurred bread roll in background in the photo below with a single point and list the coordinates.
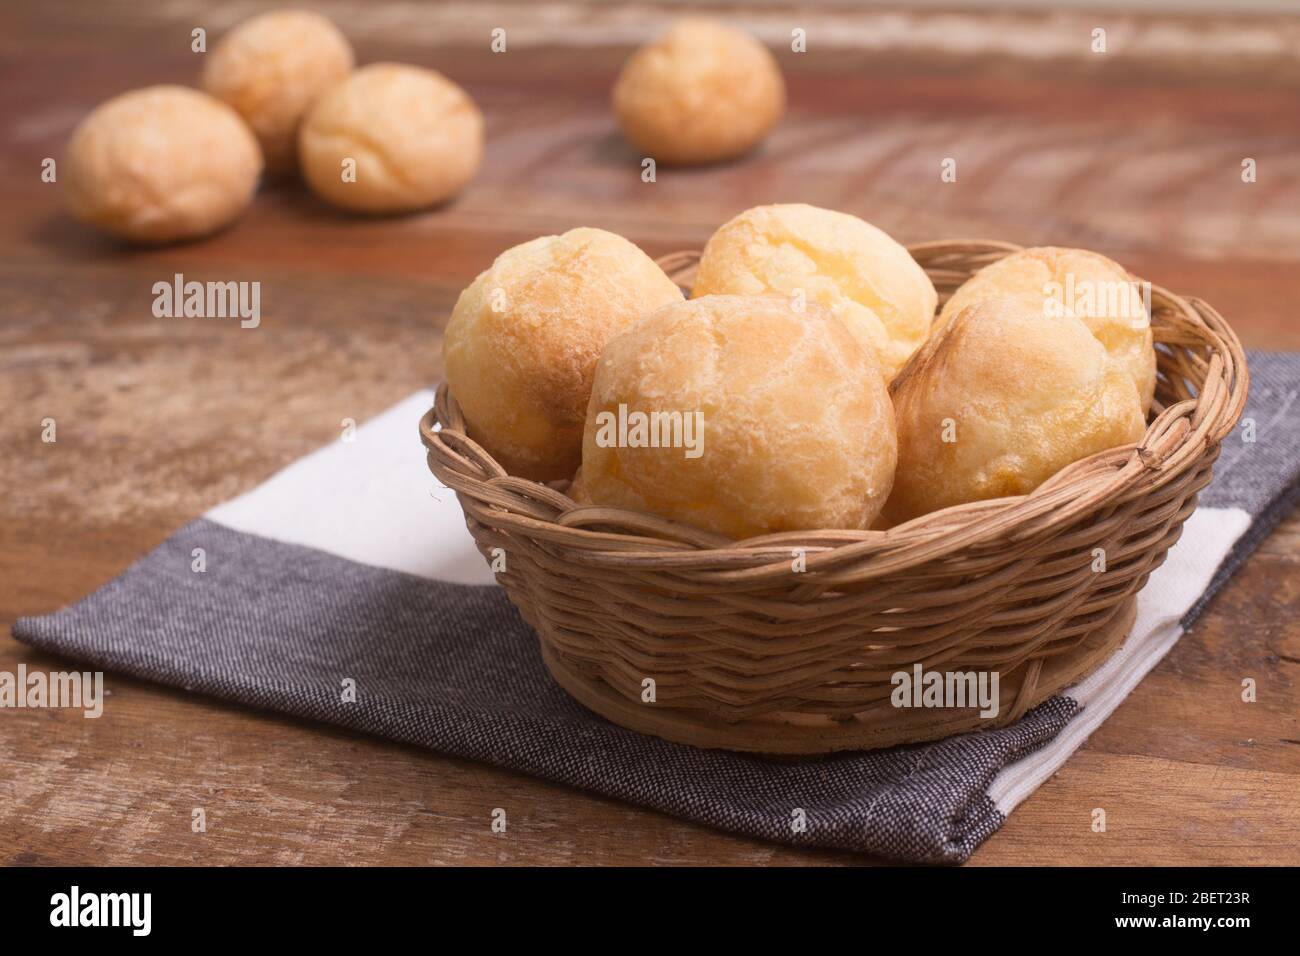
(703, 92)
(524, 337)
(852, 269)
(161, 164)
(271, 69)
(1002, 400)
(415, 137)
(1096, 290)
(795, 426)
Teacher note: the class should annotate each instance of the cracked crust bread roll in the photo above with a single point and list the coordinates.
(1096, 290)
(786, 423)
(271, 69)
(1002, 400)
(854, 270)
(161, 164)
(415, 139)
(703, 92)
(524, 337)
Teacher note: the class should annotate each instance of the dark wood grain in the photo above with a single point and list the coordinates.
(1136, 154)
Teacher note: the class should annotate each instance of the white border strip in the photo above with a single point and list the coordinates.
(1207, 538)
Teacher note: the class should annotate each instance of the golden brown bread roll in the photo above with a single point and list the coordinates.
(1002, 400)
(1097, 290)
(701, 93)
(576, 490)
(415, 136)
(856, 271)
(271, 69)
(161, 164)
(523, 339)
(792, 426)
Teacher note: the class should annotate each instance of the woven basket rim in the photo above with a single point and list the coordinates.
(1177, 436)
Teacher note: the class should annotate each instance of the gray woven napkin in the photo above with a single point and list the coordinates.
(296, 598)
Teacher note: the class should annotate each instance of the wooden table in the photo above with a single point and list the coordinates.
(1136, 152)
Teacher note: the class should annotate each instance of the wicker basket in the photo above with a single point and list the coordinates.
(748, 654)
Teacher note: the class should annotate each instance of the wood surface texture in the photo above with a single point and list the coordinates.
(1136, 153)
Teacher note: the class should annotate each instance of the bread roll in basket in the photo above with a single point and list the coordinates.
(676, 632)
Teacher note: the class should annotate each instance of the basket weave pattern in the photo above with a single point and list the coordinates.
(749, 654)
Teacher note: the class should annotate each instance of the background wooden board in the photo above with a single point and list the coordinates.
(1136, 153)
